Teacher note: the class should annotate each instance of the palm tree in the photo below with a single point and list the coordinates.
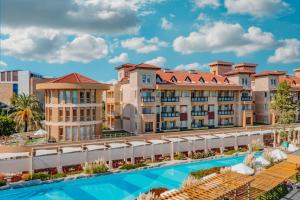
(27, 113)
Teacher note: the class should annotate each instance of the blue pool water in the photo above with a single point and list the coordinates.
(127, 185)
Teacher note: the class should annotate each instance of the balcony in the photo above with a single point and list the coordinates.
(246, 98)
(197, 125)
(225, 99)
(199, 99)
(170, 114)
(225, 112)
(148, 99)
(199, 113)
(169, 99)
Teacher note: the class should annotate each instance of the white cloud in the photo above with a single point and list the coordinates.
(52, 46)
(206, 3)
(142, 45)
(158, 61)
(289, 52)
(256, 8)
(112, 81)
(192, 66)
(223, 37)
(203, 17)
(3, 64)
(122, 58)
(166, 24)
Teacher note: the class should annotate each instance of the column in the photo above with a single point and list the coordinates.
(206, 147)
(172, 151)
(109, 158)
(275, 139)
(132, 155)
(236, 146)
(31, 163)
(152, 153)
(222, 146)
(249, 144)
(59, 167)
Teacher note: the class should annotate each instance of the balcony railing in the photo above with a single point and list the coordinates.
(225, 98)
(199, 99)
(196, 125)
(226, 124)
(248, 98)
(225, 112)
(170, 114)
(170, 99)
(169, 128)
(199, 113)
(148, 99)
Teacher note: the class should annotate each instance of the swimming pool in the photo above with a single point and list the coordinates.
(127, 185)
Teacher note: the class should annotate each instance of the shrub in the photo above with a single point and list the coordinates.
(201, 173)
(58, 175)
(41, 176)
(7, 126)
(132, 166)
(230, 152)
(200, 155)
(97, 167)
(2, 183)
(26, 177)
(147, 196)
(190, 181)
(179, 156)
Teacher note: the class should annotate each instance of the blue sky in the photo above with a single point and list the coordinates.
(91, 37)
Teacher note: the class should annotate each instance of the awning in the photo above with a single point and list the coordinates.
(71, 149)
(158, 141)
(42, 152)
(175, 139)
(117, 145)
(222, 135)
(4, 156)
(192, 138)
(266, 132)
(93, 147)
(208, 136)
(138, 143)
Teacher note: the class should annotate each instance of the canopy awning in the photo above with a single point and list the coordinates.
(222, 135)
(4, 156)
(158, 141)
(209, 136)
(175, 139)
(93, 147)
(192, 138)
(117, 145)
(43, 152)
(138, 143)
(71, 149)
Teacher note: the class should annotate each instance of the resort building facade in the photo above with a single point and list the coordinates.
(73, 108)
(148, 99)
(19, 82)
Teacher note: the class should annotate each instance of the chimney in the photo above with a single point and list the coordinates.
(297, 72)
(220, 67)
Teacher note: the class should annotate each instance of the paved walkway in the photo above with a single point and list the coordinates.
(293, 195)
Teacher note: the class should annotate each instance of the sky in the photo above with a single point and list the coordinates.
(92, 37)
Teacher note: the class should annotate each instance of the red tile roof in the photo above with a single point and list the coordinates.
(127, 65)
(221, 62)
(239, 71)
(73, 78)
(297, 70)
(181, 77)
(131, 66)
(269, 73)
(293, 80)
(244, 64)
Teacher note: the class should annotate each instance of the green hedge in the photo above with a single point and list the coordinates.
(276, 194)
(44, 176)
(201, 173)
(2, 183)
(132, 166)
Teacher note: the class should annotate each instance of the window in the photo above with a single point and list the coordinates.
(8, 76)
(15, 89)
(266, 94)
(82, 97)
(50, 114)
(82, 134)
(67, 117)
(2, 76)
(60, 114)
(68, 96)
(74, 97)
(75, 133)
(149, 127)
(60, 96)
(68, 133)
(158, 79)
(60, 133)
(93, 96)
(273, 82)
(74, 114)
(265, 107)
(87, 134)
(82, 115)
(146, 79)
(94, 114)
(147, 110)
(88, 114)
(93, 132)
(88, 96)
(15, 76)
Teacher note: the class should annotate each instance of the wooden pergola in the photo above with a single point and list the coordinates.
(235, 186)
(229, 185)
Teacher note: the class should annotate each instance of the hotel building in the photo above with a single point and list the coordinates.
(147, 99)
(73, 107)
(19, 82)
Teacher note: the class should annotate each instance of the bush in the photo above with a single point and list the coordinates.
(179, 156)
(201, 173)
(230, 152)
(97, 167)
(58, 175)
(200, 155)
(26, 177)
(41, 176)
(132, 166)
(7, 126)
(2, 183)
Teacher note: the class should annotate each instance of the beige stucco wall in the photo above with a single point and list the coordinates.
(6, 92)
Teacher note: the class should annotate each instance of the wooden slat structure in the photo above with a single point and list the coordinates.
(226, 185)
(235, 186)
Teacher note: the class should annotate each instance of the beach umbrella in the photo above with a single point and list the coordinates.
(278, 155)
(262, 161)
(292, 148)
(242, 169)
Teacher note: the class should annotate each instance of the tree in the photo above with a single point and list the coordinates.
(283, 106)
(7, 126)
(27, 113)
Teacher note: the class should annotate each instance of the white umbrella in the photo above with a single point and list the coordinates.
(262, 161)
(40, 132)
(242, 169)
(292, 148)
(278, 155)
